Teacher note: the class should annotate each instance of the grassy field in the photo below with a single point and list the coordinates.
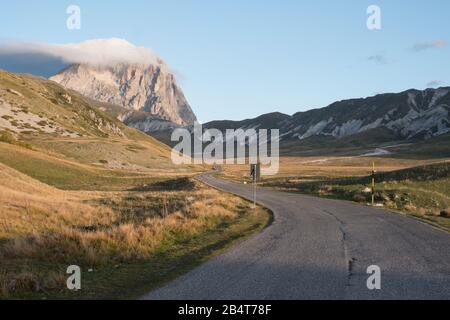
(313, 168)
(126, 242)
(130, 228)
(420, 188)
(66, 173)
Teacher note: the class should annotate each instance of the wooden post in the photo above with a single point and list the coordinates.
(254, 175)
(373, 184)
(254, 192)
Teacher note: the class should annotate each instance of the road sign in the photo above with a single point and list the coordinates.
(255, 171)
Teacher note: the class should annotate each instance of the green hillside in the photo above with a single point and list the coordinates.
(66, 140)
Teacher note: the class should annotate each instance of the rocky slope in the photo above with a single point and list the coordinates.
(386, 120)
(33, 106)
(147, 88)
(410, 115)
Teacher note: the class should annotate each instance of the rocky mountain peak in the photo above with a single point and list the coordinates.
(147, 88)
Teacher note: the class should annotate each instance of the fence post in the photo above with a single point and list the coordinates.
(373, 184)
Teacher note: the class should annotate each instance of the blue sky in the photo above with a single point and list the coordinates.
(239, 59)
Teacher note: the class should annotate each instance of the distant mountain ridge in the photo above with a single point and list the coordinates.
(146, 88)
(409, 115)
(149, 100)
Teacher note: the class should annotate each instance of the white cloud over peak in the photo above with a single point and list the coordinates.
(99, 52)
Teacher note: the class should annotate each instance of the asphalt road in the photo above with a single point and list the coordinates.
(321, 249)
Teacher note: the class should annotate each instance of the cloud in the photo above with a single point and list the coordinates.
(378, 58)
(96, 52)
(434, 83)
(436, 44)
(29, 57)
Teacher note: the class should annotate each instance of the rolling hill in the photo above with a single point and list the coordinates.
(44, 126)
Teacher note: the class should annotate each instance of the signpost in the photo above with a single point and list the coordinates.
(255, 172)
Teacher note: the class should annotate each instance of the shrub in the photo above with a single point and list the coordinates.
(445, 213)
(359, 197)
(7, 137)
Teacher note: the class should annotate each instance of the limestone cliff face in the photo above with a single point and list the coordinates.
(147, 88)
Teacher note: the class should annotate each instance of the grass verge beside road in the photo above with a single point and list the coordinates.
(422, 192)
(126, 242)
(419, 188)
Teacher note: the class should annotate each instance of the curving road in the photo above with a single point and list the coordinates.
(320, 249)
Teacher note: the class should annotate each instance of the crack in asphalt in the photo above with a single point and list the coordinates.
(350, 260)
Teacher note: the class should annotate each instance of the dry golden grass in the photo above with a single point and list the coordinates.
(130, 214)
(43, 226)
(330, 167)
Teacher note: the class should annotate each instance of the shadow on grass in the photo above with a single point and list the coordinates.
(179, 184)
